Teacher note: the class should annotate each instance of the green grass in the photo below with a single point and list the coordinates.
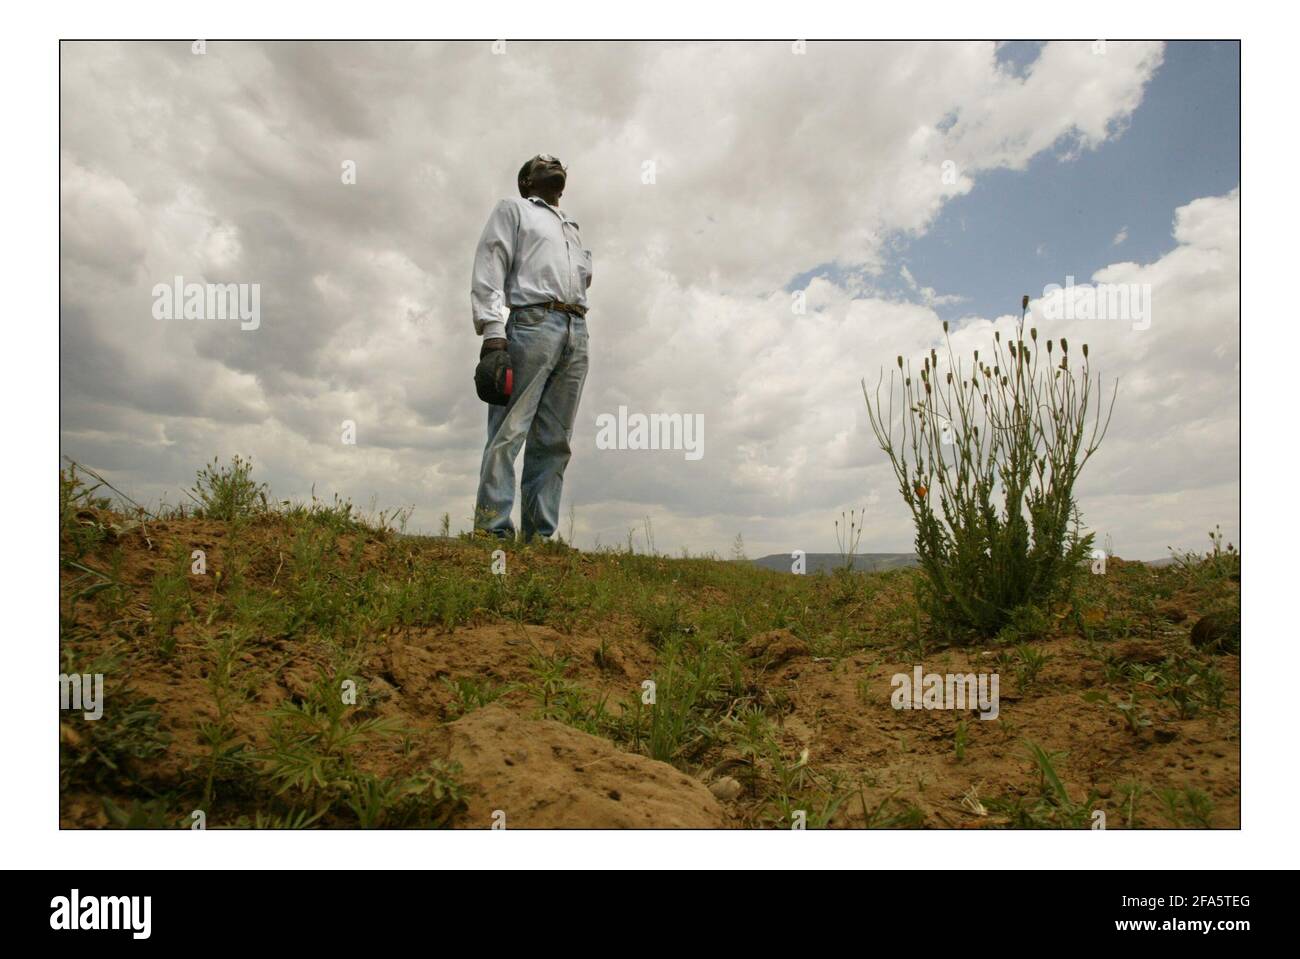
(319, 583)
(313, 762)
(1053, 807)
(170, 600)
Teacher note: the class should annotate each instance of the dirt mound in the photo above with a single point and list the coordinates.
(774, 694)
(418, 662)
(544, 775)
(775, 648)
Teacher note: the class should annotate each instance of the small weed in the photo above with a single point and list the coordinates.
(1187, 807)
(471, 694)
(228, 492)
(1029, 662)
(960, 738)
(169, 600)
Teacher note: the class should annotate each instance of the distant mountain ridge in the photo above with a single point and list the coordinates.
(819, 562)
(862, 563)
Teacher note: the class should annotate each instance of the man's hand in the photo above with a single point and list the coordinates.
(490, 345)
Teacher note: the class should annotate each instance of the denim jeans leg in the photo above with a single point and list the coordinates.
(536, 343)
(547, 451)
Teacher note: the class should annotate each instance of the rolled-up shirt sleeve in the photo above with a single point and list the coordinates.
(492, 259)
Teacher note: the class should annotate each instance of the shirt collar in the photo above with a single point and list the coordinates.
(554, 209)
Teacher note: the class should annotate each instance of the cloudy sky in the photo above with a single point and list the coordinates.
(894, 186)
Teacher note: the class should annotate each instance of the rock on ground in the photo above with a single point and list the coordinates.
(544, 775)
(1217, 632)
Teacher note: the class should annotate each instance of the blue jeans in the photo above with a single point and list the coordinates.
(548, 350)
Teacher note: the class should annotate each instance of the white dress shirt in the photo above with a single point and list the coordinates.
(530, 252)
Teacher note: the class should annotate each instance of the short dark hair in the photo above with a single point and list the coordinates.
(523, 175)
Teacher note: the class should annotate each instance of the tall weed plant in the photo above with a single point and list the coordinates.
(986, 457)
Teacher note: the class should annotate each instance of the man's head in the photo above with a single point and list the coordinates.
(542, 176)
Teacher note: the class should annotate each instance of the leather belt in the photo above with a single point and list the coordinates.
(569, 308)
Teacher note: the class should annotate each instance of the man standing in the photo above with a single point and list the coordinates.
(530, 259)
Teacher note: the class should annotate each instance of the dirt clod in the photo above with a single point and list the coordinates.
(544, 775)
(725, 789)
(1217, 632)
(776, 648)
